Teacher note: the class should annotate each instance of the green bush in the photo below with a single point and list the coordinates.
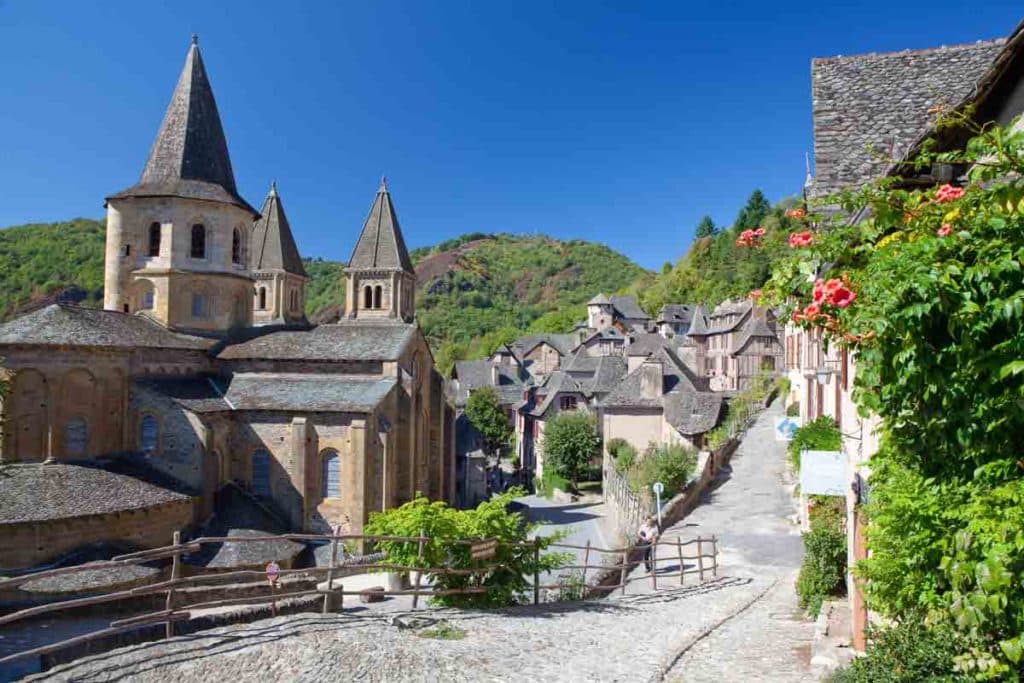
(442, 524)
(672, 465)
(823, 572)
(820, 435)
(549, 480)
(623, 455)
(570, 443)
(906, 652)
(793, 410)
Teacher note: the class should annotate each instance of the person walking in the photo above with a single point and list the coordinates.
(647, 536)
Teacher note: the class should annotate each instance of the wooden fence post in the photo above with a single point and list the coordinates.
(700, 558)
(330, 570)
(714, 558)
(586, 561)
(175, 572)
(536, 571)
(419, 568)
(625, 568)
(682, 565)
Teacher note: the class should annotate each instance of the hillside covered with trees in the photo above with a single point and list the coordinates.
(475, 291)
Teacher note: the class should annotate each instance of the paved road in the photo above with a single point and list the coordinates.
(740, 626)
(579, 522)
(749, 511)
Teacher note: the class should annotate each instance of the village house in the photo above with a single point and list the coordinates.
(863, 105)
(732, 345)
(201, 372)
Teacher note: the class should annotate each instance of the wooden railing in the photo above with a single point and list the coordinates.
(625, 558)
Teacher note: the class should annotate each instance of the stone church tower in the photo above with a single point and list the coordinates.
(277, 268)
(178, 240)
(380, 281)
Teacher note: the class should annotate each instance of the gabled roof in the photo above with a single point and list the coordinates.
(474, 374)
(189, 157)
(380, 245)
(608, 333)
(627, 307)
(675, 313)
(739, 308)
(563, 343)
(757, 326)
(556, 383)
(609, 372)
(344, 341)
(645, 344)
(698, 323)
(68, 325)
(273, 246)
(869, 109)
(599, 300)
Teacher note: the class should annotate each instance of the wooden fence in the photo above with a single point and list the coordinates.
(704, 564)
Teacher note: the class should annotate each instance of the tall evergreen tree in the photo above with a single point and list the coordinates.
(705, 228)
(751, 215)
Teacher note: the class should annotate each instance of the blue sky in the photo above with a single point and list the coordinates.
(618, 122)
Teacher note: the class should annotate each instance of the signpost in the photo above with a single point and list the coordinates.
(785, 427)
(658, 488)
(273, 572)
(484, 550)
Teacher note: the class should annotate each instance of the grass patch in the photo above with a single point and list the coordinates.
(443, 631)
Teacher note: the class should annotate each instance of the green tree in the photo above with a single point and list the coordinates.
(753, 212)
(570, 443)
(484, 411)
(705, 228)
(514, 562)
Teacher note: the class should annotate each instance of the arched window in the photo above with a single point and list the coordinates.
(236, 246)
(330, 486)
(377, 296)
(367, 297)
(149, 434)
(261, 473)
(76, 436)
(198, 306)
(147, 300)
(154, 239)
(263, 298)
(198, 241)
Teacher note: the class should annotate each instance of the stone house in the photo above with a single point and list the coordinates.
(673, 320)
(620, 311)
(884, 102)
(202, 370)
(733, 344)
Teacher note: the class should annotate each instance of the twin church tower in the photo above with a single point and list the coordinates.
(186, 250)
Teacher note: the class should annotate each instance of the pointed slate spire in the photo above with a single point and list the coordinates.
(189, 157)
(699, 323)
(380, 245)
(273, 246)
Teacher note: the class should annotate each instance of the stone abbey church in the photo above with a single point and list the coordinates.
(202, 369)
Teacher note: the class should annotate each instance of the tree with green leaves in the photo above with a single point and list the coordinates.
(484, 411)
(753, 212)
(570, 443)
(705, 228)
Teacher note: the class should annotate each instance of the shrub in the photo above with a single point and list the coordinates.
(623, 455)
(570, 443)
(672, 465)
(549, 480)
(823, 571)
(820, 435)
(442, 524)
(906, 652)
(793, 410)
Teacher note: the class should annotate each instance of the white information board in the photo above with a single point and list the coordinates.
(823, 473)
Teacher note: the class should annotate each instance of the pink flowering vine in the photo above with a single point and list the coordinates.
(945, 231)
(948, 193)
(801, 239)
(750, 238)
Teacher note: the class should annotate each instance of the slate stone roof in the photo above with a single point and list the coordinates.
(189, 157)
(237, 513)
(645, 344)
(609, 372)
(755, 327)
(273, 246)
(473, 374)
(563, 343)
(555, 384)
(39, 493)
(380, 244)
(687, 404)
(675, 314)
(609, 333)
(599, 300)
(68, 325)
(580, 362)
(699, 323)
(627, 307)
(882, 101)
(290, 392)
(738, 308)
(355, 340)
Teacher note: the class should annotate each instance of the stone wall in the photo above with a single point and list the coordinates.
(29, 543)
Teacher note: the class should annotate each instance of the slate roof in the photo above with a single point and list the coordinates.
(675, 377)
(380, 244)
(675, 313)
(237, 513)
(755, 327)
(627, 307)
(693, 412)
(599, 300)
(699, 323)
(189, 157)
(739, 308)
(645, 344)
(292, 392)
(563, 343)
(610, 333)
(68, 325)
(37, 492)
(354, 340)
(556, 383)
(882, 101)
(273, 246)
(473, 374)
(580, 361)
(609, 372)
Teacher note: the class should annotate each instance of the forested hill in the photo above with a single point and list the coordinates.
(475, 291)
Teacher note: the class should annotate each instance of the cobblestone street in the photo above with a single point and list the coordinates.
(741, 626)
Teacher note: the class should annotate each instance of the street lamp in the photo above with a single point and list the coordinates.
(823, 374)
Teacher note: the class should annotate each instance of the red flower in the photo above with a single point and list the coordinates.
(812, 311)
(819, 291)
(797, 316)
(796, 213)
(948, 193)
(842, 297)
(800, 239)
(754, 294)
(945, 231)
(759, 232)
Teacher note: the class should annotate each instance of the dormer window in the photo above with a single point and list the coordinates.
(198, 249)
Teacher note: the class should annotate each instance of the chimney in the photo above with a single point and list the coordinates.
(651, 382)
(495, 375)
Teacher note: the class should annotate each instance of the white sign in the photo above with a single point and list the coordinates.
(273, 571)
(785, 427)
(658, 487)
(823, 473)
